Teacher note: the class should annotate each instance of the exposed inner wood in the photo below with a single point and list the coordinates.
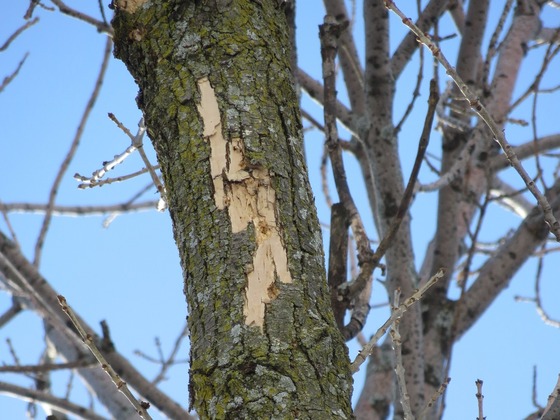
(249, 197)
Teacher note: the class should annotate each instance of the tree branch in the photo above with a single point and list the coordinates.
(74, 211)
(526, 150)
(402, 55)
(349, 61)
(395, 314)
(497, 272)
(101, 26)
(329, 33)
(315, 91)
(63, 405)
(71, 152)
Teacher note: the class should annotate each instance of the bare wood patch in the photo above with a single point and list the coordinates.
(129, 6)
(249, 198)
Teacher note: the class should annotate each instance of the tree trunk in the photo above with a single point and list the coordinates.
(218, 97)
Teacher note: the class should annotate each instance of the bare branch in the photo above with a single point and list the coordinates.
(399, 368)
(377, 396)
(44, 301)
(166, 363)
(10, 314)
(440, 391)
(46, 367)
(510, 198)
(537, 300)
(408, 45)
(349, 61)
(479, 398)
(18, 32)
(31, 395)
(533, 88)
(492, 46)
(71, 152)
(74, 211)
(397, 313)
(139, 406)
(101, 26)
(497, 272)
(8, 79)
(526, 150)
(315, 91)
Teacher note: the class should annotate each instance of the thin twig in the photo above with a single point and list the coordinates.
(46, 367)
(480, 398)
(74, 211)
(17, 32)
(419, 77)
(32, 395)
(397, 313)
(534, 393)
(433, 399)
(102, 27)
(71, 152)
(139, 406)
(10, 314)
(171, 359)
(399, 367)
(8, 79)
(9, 224)
(137, 143)
(94, 181)
(492, 45)
(315, 91)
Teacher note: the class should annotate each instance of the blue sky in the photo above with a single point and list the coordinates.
(129, 273)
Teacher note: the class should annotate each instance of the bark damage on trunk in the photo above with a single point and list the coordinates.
(218, 97)
(250, 199)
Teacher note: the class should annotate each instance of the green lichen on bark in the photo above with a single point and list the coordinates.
(296, 365)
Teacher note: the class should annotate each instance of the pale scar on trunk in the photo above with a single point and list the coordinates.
(129, 6)
(249, 198)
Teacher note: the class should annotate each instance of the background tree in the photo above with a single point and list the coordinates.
(205, 71)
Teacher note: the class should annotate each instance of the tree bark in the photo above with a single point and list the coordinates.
(218, 97)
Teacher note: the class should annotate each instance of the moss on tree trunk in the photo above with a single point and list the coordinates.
(218, 97)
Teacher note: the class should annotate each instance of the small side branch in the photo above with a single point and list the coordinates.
(8, 79)
(45, 367)
(137, 144)
(32, 395)
(17, 33)
(315, 91)
(139, 406)
(101, 26)
(439, 392)
(396, 314)
(480, 399)
(399, 367)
